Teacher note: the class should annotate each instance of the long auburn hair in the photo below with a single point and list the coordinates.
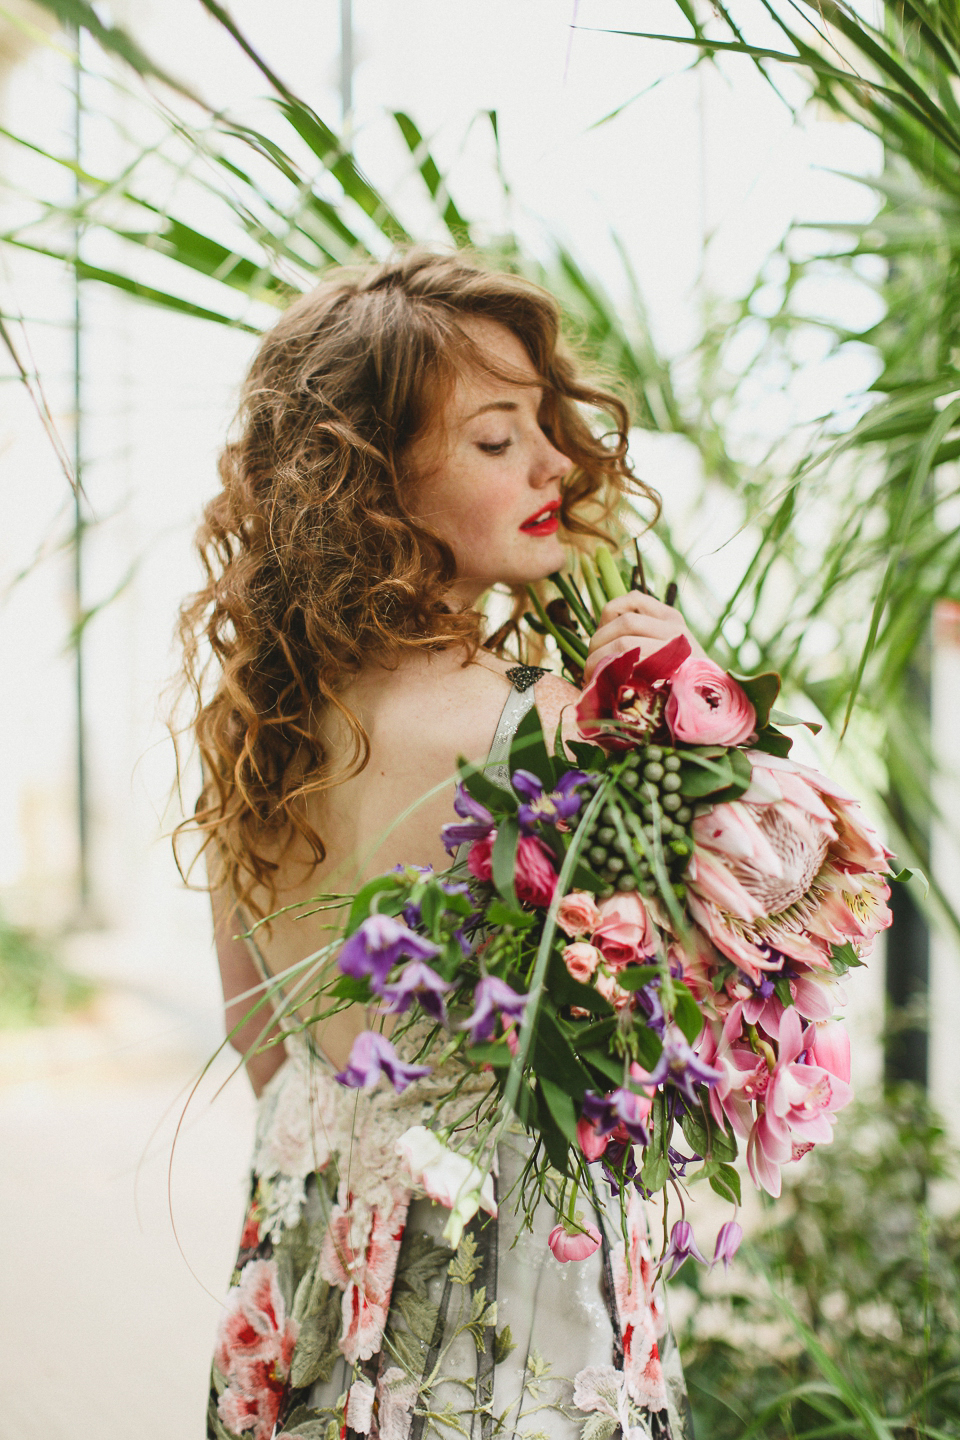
(313, 563)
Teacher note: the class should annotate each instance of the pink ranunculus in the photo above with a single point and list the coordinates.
(577, 914)
(592, 1144)
(581, 960)
(573, 1246)
(631, 693)
(831, 1048)
(625, 934)
(707, 706)
(535, 878)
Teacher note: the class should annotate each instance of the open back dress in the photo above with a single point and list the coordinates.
(349, 1316)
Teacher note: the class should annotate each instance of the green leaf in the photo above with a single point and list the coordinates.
(844, 958)
(503, 1345)
(554, 1140)
(506, 916)
(761, 691)
(349, 987)
(528, 750)
(687, 1012)
(781, 988)
(608, 1066)
(553, 1056)
(561, 1108)
(703, 1135)
(564, 990)
(726, 1183)
(780, 717)
(655, 1170)
(701, 776)
(647, 1045)
(494, 797)
(497, 1054)
(772, 742)
(504, 860)
(904, 876)
(634, 977)
(362, 905)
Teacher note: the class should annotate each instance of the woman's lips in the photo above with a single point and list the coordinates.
(544, 521)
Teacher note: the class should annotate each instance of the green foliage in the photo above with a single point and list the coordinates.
(34, 985)
(844, 1311)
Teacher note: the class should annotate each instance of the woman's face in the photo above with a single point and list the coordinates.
(486, 478)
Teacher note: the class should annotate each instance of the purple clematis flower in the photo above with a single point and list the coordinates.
(479, 822)
(371, 1056)
(728, 1243)
(648, 1002)
(682, 1245)
(680, 1065)
(491, 998)
(541, 806)
(375, 947)
(417, 981)
(612, 1156)
(621, 1107)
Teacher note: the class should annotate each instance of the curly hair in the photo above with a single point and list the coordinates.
(314, 564)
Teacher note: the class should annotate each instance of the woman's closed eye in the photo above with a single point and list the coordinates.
(489, 447)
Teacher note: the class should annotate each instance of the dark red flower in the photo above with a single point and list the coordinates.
(633, 693)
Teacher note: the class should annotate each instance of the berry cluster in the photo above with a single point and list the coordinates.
(651, 776)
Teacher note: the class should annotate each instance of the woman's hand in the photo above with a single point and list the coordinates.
(634, 622)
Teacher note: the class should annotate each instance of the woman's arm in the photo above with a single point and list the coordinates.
(239, 975)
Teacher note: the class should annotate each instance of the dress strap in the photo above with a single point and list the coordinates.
(291, 1028)
(518, 703)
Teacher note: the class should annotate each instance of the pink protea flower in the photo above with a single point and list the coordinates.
(534, 878)
(624, 934)
(707, 706)
(787, 871)
(796, 1107)
(577, 914)
(631, 692)
(573, 1244)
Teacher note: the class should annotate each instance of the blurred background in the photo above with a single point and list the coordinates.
(752, 218)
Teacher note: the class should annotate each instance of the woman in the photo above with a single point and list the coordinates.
(411, 435)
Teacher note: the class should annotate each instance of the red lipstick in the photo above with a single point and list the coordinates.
(543, 521)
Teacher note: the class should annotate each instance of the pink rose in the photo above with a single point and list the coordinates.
(706, 706)
(573, 1247)
(534, 876)
(624, 934)
(611, 991)
(581, 960)
(577, 914)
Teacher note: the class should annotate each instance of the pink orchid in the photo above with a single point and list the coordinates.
(798, 1106)
(629, 694)
(831, 1048)
(707, 706)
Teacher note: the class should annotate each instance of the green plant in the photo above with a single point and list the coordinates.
(34, 985)
(844, 1317)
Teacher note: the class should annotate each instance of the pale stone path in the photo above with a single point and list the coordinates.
(105, 1331)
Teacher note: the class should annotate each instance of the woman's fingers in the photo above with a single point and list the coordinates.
(634, 622)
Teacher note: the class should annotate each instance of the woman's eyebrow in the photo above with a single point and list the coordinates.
(493, 405)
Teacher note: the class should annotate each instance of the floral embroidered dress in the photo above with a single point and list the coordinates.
(348, 1314)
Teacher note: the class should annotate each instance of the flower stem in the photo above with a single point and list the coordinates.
(609, 574)
(574, 600)
(572, 648)
(762, 1048)
(597, 597)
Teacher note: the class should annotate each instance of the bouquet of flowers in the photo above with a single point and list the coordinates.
(641, 947)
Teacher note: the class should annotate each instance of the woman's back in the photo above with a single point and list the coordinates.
(420, 719)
